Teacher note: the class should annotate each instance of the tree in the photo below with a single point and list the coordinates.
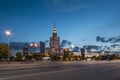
(72, 56)
(53, 58)
(3, 51)
(29, 57)
(66, 53)
(19, 56)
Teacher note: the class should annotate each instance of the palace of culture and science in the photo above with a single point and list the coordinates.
(55, 44)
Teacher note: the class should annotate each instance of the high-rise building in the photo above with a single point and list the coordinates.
(42, 47)
(25, 50)
(83, 53)
(55, 44)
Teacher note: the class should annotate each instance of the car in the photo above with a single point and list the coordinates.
(46, 59)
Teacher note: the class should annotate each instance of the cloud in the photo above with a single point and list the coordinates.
(89, 47)
(115, 45)
(96, 48)
(47, 43)
(106, 40)
(65, 43)
(65, 5)
(76, 49)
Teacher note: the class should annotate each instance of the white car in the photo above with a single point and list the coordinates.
(46, 59)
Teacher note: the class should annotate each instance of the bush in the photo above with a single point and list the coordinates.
(1, 56)
(3, 51)
(19, 56)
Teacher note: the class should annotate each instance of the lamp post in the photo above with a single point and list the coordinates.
(8, 33)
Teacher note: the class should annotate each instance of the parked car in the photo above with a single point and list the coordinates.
(46, 59)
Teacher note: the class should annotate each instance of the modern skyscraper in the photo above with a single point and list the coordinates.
(55, 44)
(42, 47)
(25, 50)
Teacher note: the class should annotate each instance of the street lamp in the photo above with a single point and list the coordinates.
(8, 33)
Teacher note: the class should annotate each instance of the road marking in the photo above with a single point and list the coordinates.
(45, 73)
(27, 75)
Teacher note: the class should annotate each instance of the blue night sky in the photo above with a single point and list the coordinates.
(78, 21)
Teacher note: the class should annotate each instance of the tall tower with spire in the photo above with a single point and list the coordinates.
(54, 31)
(55, 43)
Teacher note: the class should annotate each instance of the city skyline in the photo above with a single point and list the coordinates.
(78, 21)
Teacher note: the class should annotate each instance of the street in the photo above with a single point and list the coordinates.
(65, 71)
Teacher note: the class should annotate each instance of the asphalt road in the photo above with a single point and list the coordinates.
(65, 71)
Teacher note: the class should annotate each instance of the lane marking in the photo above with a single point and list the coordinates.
(27, 75)
(45, 73)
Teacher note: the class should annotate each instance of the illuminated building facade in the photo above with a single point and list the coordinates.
(55, 44)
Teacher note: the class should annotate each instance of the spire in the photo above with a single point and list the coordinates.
(54, 31)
